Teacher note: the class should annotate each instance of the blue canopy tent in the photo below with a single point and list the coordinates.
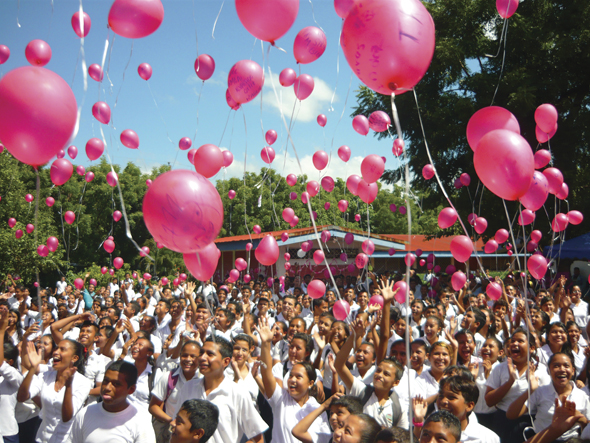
(578, 247)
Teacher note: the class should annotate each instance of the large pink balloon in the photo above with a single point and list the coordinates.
(361, 124)
(368, 247)
(38, 53)
(491, 246)
(501, 235)
(183, 211)
(488, 119)
(318, 257)
(102, 112)
(352, 184)
(372, 168)
(73, 152)
(94, 148)
(245, 81)
(303, 86)
(536, 235)
(241, 264)
(203, 263)
(267, 154)
(81, 31)
(560, 222)
(494, 290)
(563, 192)
(287, 77)
(267, 251)
(270, 136)
(52, 243)
(328, 184)
(316, 289)
(480, 225)
(367, 192)
(504, 163)
(322, 120)
(542, 158)
(117, 215)
(309, 45)
(267, 20)
(341, 310)
(536, 196)
(118, 262)
(95, 72)
(136, 18)
(312, 187)
(191, 156)
(379, 121)
(112, 178)
(69, 217)
(288, 214)
(526, 217)
(537, 266)
(320, 160)
(461, 248)
(458, 280)
(344, 153)
(388, 44)
(554, 179)
(130, 139)
(343, 205)
(506, 8)
(208, 161)
(4, 54)
(61, 171)
(204, 66)
(546, 117)
(37, 114)
(81, 170)
(361, 260)
(230, 101)
(145, 71)
(447, 218)
(543, 137)
(90, 176)
(292, 180)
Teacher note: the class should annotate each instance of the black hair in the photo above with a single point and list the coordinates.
(479, 316)
(135, 306)
(500, 302)
(457, 370)
(352, 404)
(283, 325)
(545, 300)
(90, 323)
(317, 302)
(448, 420)
(11, 353)
(225, 348)
(108, 330)
(307, 340)
(398, 368)
(530, 338)
(246, 338)
(393, 435)
(436, 318)
(117, 311)
(568, 355)
(309, 370)
(127, 369)
(370, 428)
(461, 385)
(202, 414)
(82, 354)
(190, 342)
(371, 345)
(328, 315)
(166, 302)
(423, 343)
(344, 325)
(238, 305)
(229, 314)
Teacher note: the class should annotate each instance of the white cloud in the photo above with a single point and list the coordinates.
(306, 110)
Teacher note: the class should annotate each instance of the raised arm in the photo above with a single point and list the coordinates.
(268, 379)
(57, 327)
(343, 353)
(34, 360)
(388, 295)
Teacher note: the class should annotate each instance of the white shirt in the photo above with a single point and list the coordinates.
(381, 413)
(10, 381)
(141, 397)
(287, 413)
(481, 406)
(160, 391)
(581, 314)
(53, 429)
(237, 414)
(94, 424)
(426, 385)
(476, 433)
(61, 287)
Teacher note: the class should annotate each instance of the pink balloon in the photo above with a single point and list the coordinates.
(93, 282)
(303, 86)
(447, 218)
(537, 193)
(256, 229)
(341, 310)
(506, 8)
(428, 171)
(35, 102)
(50, 201)
(61, 171)
(320, 160)
(228, 159)
(461, 248)
(241, 264)
(398, 147)
(112, 178)
(231, 194)
(309, 45)
(546, 117)
(361, 260)
(208, 161)
(458, 280)
(80, 170)
(94, 148)
(267, 155)
(294, 222)
(402, 210)
(117, 215)
(537, 266)
(73, 152)
(247, 278)
(379, 121)
(145, 71)
(326, 236)
(204, 66)
(69, 217)
(18, 233)
(368, 247)
(109, 246)
(38, 53)
(30, 228)
(293, 196)
(327, 206)
(344, 153)
(89, 176)
(185, 143)
(536, 235)
(305, 197)
(95, 72)
(287, 77)
(494, 290)
(542, 158)
(291, 180)
(183, 211)
(471, 218)
(480, 225)
(563, 192)
(430, 258)
(322, 120)
(29, 197)
(136, 18)
(376, 300)
(543, 137)
(313, 188)
(164, 280)
(267, 251)
(103, 270)
(349, 238)
(491, 246)
(422, 261)
(4, 54)
(352, 184)
(574, 217)
(357, 217)
(203, 263)
(245, 80)
(367, 192)
(271, 136)
(410, 259)
(230, 101)
(191, 156)
(360, 124)
(504, 163)
(318, 257)
(458, 184)
(526, 218)
(382, 63)
(402, 290)
(81, 31)
(118, 262)
(372, 168)
(175, 282)
(501, 235)
(145, 251)
(465, 179)
(343, 205)
(418, 252)
(531, 246)
(559, 223)
(267, 20)
(129, 139)
(554, 179)
(102, 112)
(489, 119)
(328, 184)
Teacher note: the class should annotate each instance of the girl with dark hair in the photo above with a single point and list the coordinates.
(14, 329)
(63, 389)
(574, 333)
(10, 381)
(141, 353)
(557, 341)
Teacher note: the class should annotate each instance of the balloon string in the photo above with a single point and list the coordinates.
(50, 19)
(160, 114)
(439, 181)
(18, 24)
(313, 16)
(104, 56)
(331, 108)
(198, 106)
(61, 217)
(217, 18)
(77, 216)
(502, 68)
(340, 119)
(84, 69)
(37, 196)
(109, 64)
(225, 127)
(245, 188)
(75, 69)
(500, 42)
(124, 71)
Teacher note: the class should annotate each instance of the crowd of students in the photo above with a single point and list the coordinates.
(136, 361)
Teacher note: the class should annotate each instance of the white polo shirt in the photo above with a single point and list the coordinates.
(476, 433)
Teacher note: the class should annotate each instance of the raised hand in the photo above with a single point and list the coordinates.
(419, 407)
(387, 291)
(3, 321)
(263, 330)
(331, 363)
(119, 327)
(487, 367)
(69, 375)
(474, 369)
(34, 355)
(512, 369)
(358, 327)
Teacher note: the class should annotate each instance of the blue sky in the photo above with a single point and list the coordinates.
(171, 51)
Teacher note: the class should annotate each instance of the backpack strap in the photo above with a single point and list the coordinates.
(367, 394)
(172, 381)
(396, 408)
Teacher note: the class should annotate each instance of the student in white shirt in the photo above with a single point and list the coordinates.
(10, 381)
(196, 422)
(114, 419)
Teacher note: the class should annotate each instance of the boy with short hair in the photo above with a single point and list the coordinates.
(441, 426)
(195, 422)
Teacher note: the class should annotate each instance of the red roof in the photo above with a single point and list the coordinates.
(421, 242)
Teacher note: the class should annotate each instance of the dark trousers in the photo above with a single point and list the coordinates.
(486, 420)
(510, 431)
(27, 430)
